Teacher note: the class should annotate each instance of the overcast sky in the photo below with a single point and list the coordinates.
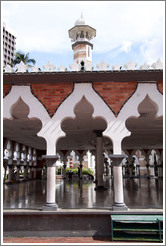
(125, 29)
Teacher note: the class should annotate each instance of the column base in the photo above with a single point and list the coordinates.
(50, 207)
(119, 206)
(100, 188)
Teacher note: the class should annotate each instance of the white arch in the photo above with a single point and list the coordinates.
(36, 108)
(116, 128)
(131, 107)
(52, 130)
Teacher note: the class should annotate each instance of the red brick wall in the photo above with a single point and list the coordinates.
(115, 94)
(160, 86)
(51, 95)
(6, 89)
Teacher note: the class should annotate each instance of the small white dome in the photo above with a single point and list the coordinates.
(80, 21)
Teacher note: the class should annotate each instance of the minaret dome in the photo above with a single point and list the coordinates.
(80, 21)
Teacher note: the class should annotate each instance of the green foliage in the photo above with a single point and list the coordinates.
(75, 171)
(87, 171)
(19, 56)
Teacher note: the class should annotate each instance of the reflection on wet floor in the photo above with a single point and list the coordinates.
(138, 193)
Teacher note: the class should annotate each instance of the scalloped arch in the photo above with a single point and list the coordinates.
(52, 130)
(130, 108)
(37, 110)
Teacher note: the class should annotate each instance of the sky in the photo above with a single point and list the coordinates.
(125, 30)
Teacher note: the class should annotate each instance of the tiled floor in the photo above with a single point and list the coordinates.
(139, 193)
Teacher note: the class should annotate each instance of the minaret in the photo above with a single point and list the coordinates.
(80, 35)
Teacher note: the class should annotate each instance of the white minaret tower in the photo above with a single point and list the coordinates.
(80, 35)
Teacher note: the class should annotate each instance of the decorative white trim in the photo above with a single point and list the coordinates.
(22, 67)
(116, 128)
(51, 127)
(75, 66)
(9, 69)
(36, 108)
(35, 69)
(102, 66)
(130, 108)
(52, 130)
(157, 65)
(49, 67)
(130, 65)
(145, 66)
(116, 67)
(79, 50)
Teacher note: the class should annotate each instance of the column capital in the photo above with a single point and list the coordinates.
(50, 160)
(117, 159)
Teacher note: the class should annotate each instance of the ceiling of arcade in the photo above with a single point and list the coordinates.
(146, 130)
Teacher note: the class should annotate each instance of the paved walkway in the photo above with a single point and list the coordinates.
(69, 240)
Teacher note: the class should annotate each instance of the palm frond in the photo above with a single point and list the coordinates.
(20, 56)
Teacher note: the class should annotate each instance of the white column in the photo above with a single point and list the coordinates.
(51, 179)
(51, 182)
(118, 182)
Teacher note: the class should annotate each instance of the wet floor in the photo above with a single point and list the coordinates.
(138, 193)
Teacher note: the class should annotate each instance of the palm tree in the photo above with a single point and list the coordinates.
(19, 56)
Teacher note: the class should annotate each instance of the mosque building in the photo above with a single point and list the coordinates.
(113, 117)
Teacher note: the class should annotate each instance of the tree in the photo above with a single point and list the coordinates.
(19, 56)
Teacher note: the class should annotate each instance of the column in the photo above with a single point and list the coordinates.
(24, 157)
(18, 163)
(30, 162)
(99, 161)
(34, 163)
(95, 181)
(5, 162)
(51, 182)
(107, 173)
(26, 170)
(161, 164)
(10, 176)
(93, 163)
(64, 166)
(80, 166)
(118, 182)
(10, 164)
(145, 170)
